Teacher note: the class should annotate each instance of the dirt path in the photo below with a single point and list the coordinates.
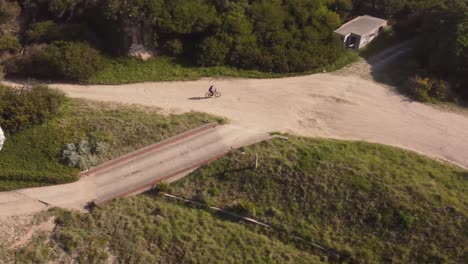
(322, 105)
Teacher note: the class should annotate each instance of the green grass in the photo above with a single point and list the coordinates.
(151, 230)
(32, 156)
(368, 202)
(128, 70)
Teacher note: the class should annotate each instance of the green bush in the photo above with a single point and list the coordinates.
(23, 108)
(48, 31)
(74, 60)
(9, 43)
(428, 90)
(163, 187)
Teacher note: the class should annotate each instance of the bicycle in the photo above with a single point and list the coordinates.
(215, 94)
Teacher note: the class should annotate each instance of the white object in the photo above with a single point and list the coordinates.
(2, 138)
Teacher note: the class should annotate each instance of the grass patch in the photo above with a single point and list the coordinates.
(146, 229)
(129, 70)
(32, 157)
(371, 203)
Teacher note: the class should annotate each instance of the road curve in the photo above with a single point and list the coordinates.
(132, 175)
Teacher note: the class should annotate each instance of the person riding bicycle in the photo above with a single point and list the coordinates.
(210, 90)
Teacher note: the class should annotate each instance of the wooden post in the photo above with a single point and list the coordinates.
(256, 160)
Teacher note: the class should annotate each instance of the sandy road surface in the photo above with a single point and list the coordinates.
(324, 105)
(178, 158)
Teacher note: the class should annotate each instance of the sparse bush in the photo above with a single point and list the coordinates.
(214, 191)
(163, 187)
(245, 207)
(203, 197)
(68, 240)
(9, 43)
(83, 155)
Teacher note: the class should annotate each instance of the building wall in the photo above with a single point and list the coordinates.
(367, 38)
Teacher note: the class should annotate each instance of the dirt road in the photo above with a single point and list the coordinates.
(322, 105)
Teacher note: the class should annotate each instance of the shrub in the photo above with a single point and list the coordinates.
(163, 187)
(427, 89)
(9, 43)
(22, 108)
(440, 90)
(245, 207)
(84, 154)
(48, 31)
(74, 60)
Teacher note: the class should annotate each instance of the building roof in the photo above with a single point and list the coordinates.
(360, 25)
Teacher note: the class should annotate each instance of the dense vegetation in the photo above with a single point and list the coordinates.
(271, 36)
(369, 203)
(226, 38)
(41, 124)
(131, 70)
(441, 32)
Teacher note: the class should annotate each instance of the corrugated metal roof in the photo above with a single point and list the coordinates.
(361, 25)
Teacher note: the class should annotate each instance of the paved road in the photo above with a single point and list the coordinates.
(178, 158)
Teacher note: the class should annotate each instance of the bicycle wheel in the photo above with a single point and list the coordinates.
(217, 94)
(208, 95)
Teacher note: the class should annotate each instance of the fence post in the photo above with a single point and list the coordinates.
(256, 160)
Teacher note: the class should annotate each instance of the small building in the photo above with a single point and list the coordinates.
(358, 32)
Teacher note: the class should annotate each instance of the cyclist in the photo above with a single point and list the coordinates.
(210, 90)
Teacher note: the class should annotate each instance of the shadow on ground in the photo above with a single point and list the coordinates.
(198, 98)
